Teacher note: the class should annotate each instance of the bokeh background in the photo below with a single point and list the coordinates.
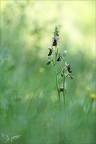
(29, 104)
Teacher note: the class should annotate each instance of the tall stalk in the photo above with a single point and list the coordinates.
(55, 57)
(60, 74)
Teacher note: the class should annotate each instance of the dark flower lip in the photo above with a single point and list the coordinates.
(48, 62)
(57, 34)
(62, 74)
(70, 76)
(50, 51)
(55, 41)
(59, 57)
(68, 68)
(61, 89)
(70, 71)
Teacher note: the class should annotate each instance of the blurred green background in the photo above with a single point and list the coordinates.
(29, 104)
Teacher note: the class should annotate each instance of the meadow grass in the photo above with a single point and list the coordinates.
(30, 106)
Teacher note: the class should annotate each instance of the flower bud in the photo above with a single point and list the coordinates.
(64, 53)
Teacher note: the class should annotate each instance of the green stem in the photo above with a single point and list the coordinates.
(60, 122)
(55, 67)
(64, 90)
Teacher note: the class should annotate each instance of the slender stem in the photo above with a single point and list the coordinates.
(57, 86)
(64, 89)
(56, 54)
(60, 121)
(55, 69)
(64, 83)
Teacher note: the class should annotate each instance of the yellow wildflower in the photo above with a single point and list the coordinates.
(41, 69)
(92, 95)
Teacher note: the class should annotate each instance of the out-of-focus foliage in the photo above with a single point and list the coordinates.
(33, 22)
(29, 105)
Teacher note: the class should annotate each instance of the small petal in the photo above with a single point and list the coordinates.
(54, 43)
